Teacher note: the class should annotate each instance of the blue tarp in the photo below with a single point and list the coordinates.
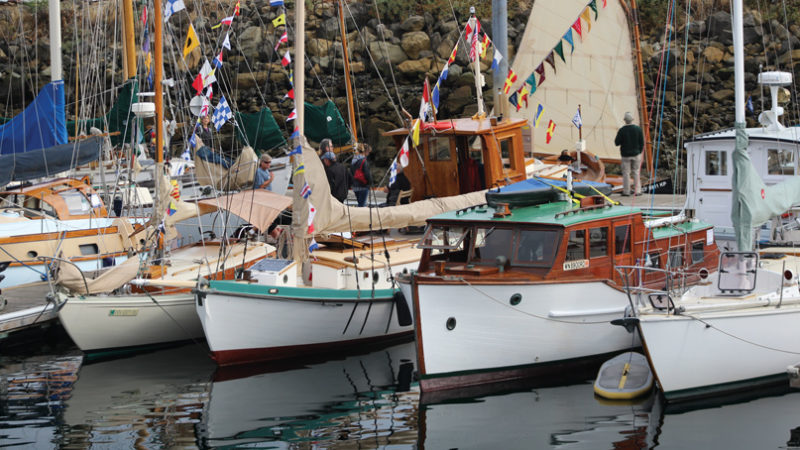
(535, 184)
(41, 125)
(47, 162)
(538, 190)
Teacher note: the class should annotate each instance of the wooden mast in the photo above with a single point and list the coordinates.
(129, 61)
(648, 145)
(350, 109)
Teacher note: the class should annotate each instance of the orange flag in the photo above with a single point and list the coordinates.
(551, 127)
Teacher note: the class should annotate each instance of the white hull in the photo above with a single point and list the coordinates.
(242, 327)
(717, 352)
(494, 341)
(117, 322)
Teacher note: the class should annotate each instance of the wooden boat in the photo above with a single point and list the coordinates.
(507, 293)
(63, 218)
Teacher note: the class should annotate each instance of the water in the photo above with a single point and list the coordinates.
(176, 398)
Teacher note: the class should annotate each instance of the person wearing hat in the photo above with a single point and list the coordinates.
(630, 140)
(339, 178)
(264, 177)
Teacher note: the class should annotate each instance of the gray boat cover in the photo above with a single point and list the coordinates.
(48, 162)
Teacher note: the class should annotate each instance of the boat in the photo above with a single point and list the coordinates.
(506, 293)
(738, 329)
(624, 377)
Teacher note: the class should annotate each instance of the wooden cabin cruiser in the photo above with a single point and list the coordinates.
(505, 293)
(63, 218)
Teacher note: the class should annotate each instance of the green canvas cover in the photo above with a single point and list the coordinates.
(259, 130)
(326, 122)
(754, 203)
(117, 119)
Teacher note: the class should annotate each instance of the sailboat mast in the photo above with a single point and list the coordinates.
(300, 65)
(500, 36)
(54, 9)
(159, 62)
(350, 110)
(129, 61)
(738, 60)
(473, 21)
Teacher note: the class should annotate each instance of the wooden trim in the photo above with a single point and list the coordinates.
(417, 325)
(58, 235)
(77, 258)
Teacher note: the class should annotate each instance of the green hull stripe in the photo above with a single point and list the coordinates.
(717, 389)
(233, 287)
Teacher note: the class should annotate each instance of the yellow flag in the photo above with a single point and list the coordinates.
(191, 42)
(278, 21)
(585, 16)
(415, 133)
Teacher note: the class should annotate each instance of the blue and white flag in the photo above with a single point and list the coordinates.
(577, 119)
(496, 60)
(306, 191)
(222, 114)
(393, 172)
(749, 103)
(313, 245)
(297, 150)
(275, 2)
(172, 7)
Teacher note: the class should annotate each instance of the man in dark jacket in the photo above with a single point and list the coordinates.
(631, 143)
(339, 178)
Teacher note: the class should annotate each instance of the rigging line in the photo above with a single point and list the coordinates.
(791, 56)
(679, 134)
(353, 250)
(747, 341)
(189, 335)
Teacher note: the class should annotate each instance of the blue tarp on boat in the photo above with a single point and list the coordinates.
(48, 162)
(540, 190)
(41, 125)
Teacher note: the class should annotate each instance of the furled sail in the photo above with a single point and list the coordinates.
(597, 74)
(47, 162)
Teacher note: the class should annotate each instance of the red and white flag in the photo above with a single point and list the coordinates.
(284, 39)
(287, 59)
(312, 211)
(403, 157)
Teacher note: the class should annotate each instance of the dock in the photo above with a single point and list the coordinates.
(25, 307)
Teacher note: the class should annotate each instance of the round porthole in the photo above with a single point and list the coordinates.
(515, 299)
(451, 323)
(375, 277)
(32, 254)
(285, 279)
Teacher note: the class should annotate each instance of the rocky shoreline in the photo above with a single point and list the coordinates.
(405, 48)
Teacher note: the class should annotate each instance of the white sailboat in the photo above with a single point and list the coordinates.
(739, 329)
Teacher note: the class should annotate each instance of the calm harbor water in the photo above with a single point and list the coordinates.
(176, 398)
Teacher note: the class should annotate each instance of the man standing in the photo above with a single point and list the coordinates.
(630, 140)
(339, 177)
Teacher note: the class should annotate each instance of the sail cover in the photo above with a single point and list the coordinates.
(119, 119)
(40, 125)
(47, 162)
(259, 130)
(326, 122)
(598, 75)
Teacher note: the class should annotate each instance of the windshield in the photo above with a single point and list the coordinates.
(444, 237)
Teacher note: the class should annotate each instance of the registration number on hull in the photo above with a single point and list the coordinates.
(574, 265)
(123, 312)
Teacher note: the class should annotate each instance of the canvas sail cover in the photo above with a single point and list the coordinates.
(259, 130)
(119, 118)
(71, 278)
(754, 203)
(47, 162)
(40, 125)
(239, 175)
(598, 75)
(326, 122)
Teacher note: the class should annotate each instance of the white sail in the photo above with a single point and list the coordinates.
(599, 75)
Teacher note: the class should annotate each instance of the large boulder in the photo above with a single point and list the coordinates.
(318, 47)
(414, 42)
(413, 67)
(250, 42)
(413, 23)
(381, 51)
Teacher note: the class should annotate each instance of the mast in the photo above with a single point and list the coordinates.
(500, 35)
(129, 61)
(350, 109)
(648, 144)
(300, 66)
(476, 67)
(54, 9)
(738, 61)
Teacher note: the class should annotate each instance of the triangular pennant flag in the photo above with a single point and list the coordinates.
(452, 55)
(300, 169)
(295, 133)
(551, 60)
(217, 61)
(287, 59)
(146, 43)
(237, 8)
(297, 150)
(226, 21)
(531, 80)
(403, 157)
(208, 74)
(523, 94)
(540, 71)
(496, 60)
(290, 94)
(415, 132)
(435, 96)
(306, 191)
(423, 105)
(559, 49)
(191, 41)
(292, 115)
(278, 21)
(551, 127)
(197, 84)
(538, 116)
(604, 3)
(445, 71)
(593, 5)
(532, 85)
(313, 246)
(510, 79)
(585, 16)
(568, 37)
(144, 16)
(576, 119)
(227, 42)
(513, 100)
(577, 27)
(283, 39)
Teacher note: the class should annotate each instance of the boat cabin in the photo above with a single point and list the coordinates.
(64, 199)
(464, 155)
(558, 241)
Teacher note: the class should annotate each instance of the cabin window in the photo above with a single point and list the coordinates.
(505, 152)
(576, 246)
(77, 203)
(491, 243)
(653, 260)
(622, 239)
(598, 242)
(439, 149)
(716, 162)
(697, 252)
(780, 162)
(88, 249)
(536, 247)
(444, 238)
(675, 257)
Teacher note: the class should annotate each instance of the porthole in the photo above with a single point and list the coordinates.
(32, 254)
(285, 279)
(451, 323)
(515, 299)
(375, 277)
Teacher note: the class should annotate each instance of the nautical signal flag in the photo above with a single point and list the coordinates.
(485, 45)
(551, 127)
(496, 60)
(275, 2)
(306, 191)
(523, 93)
(217, 61)
(226, 21)
(197, 84)
(749, 104)
(435, 96)
(172, 7)
(292, 115)
(222, 114)
(585, 16)
(415, 132)
(287, 59)
(311, 213)
(423, 105)
(278, 21)
(538, 116)
(237, 8)
(208, 74)
(227, 42)
(403, 157)
(171, 209)
(577, 27)
(513, 100)
(452, 55)
(568, 37)
(191, 41)
(284, 39)
(295, 133)
(540, 71)
(510, 79)
(577, 119)
(297, 150)
(313, 246)
(300, 169)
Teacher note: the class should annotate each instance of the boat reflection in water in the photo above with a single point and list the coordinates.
(358, 398)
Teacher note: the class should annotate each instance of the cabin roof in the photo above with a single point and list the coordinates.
(544, 214)
(677, 229)
(464, 125)
(47, 187)
(788, 134)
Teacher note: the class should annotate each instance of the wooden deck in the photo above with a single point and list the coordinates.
(26, 306)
